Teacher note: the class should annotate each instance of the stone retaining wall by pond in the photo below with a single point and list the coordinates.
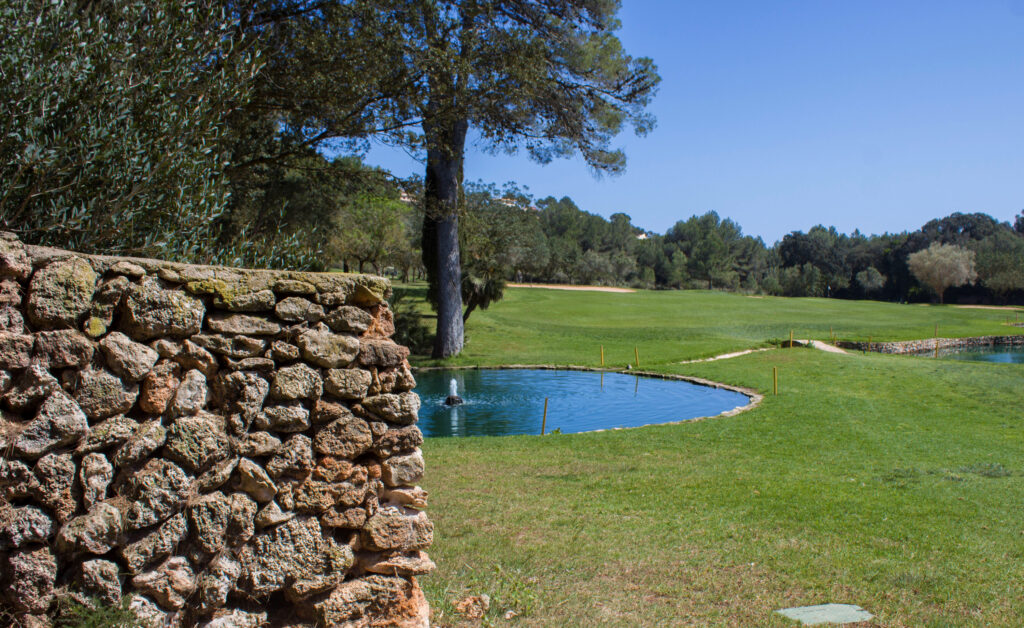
(225, 448)
(923, 346)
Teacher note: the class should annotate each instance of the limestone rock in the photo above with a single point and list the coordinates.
(294, 458)
(271, 515)
(260, 365)
(257, 444)
(398, 441)
(169, 584)
(256, 301)
(281, 351)
(242, 392)
(147, 612)
(241, 520)
(277, 555)
(29, 576)
(192, 356)
(216, 476)
(312, 496)
(341, 517)
(60, 294)
(291, 418)
(10, 293)
(100, 579)
(231, 346)
(114, 431)
(349, 318)
(159, 387)
(14, 262)
(399, 529)
(325, 412)
(147, 438)
(382, 324)
(107, 299)
(297, 310)
(243, 324)
(401, 408)
(154, 492)
(411, 564)
(348, 383)
(327, 349)
(383, 600)
(161, 542)
(192, 394)
(57, 488)
(100, 394)
(166, 348)
(150, 311)
(97, 532)
(95, 476)
(294, 286)
(131, 361)
(398, 379)
(24, 525)
(17, 480)
(217, 581)
(297, 382)
(237, 618)
(413, 497)
(12, 322)
(403, 470)
(33, 385)
(347, 437)
(59, 422)
(254, 480)
(62, 349)
(15, 350)
(381, 353)
(208, 519)
(124, 267)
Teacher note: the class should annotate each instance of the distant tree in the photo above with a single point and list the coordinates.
(710, 245)
(870, 280)
(941, 266)
(1018, 224)
(1001, 262)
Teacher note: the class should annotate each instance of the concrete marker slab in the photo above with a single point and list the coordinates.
(826, 614)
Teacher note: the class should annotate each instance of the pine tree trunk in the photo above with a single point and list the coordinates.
(441, 232)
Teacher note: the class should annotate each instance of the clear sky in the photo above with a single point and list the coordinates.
(783, 114)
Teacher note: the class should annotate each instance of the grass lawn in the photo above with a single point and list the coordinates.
(896, 483)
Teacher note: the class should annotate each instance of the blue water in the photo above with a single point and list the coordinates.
(511, 401)
(1006, 354)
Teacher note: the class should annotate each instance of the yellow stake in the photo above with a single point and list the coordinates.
(602, 355)
(636, 353)
(775, 379)
(544, 421)
(790, 338)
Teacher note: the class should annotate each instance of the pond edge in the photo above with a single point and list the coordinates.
(755, 398)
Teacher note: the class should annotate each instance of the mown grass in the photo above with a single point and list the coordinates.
(896, 483)
(537, 326)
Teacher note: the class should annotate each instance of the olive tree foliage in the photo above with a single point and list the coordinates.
(941, 266)
(870, 279)
(113, 125)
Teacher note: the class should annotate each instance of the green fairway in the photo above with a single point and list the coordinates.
(539, 326)
(895, 483)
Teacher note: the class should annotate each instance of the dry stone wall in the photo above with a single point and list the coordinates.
(928, 344)
(223, 447)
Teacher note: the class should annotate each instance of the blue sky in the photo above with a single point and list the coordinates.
(784, 114)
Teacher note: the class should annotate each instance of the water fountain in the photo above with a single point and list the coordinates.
(453, 398)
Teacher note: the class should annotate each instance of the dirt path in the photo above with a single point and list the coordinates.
(989, 307)
(552, 286)
(816, 344)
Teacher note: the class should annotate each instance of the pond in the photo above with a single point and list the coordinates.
(501, 402)
(1006, 354)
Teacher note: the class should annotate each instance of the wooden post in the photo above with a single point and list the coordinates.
(831, 335)
(602, 355)
(544, 421)
(775, 380)
(636, 354)
(790, 338)
(936, 346)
